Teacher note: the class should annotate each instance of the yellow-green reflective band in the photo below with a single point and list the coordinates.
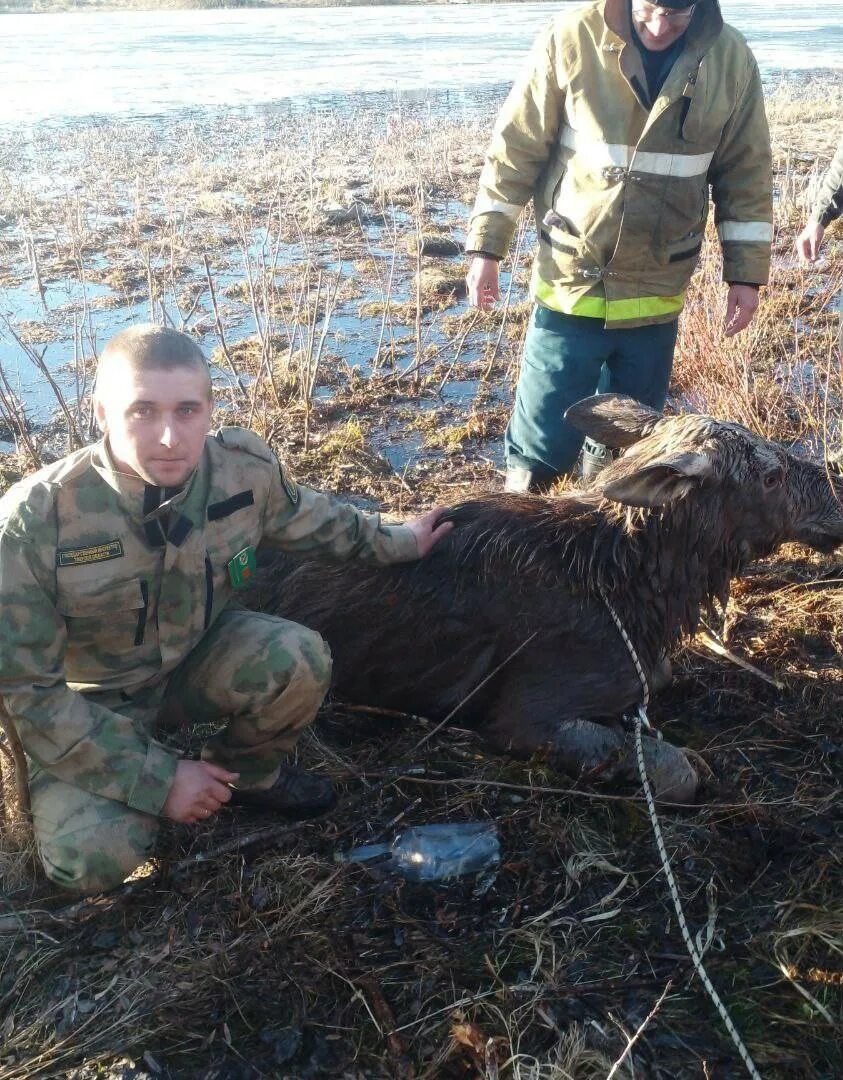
(644, 307)
(598, 307)
(592, 307)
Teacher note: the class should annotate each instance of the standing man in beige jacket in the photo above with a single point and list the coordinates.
(626, 115)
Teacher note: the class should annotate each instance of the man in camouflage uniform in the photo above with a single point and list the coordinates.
(119, 571)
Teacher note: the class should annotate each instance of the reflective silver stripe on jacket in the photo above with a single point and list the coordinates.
(601, 155)
(487, 205)
(742, 231)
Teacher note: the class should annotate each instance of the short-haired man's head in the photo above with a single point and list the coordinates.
(145, 348)
(153, 403)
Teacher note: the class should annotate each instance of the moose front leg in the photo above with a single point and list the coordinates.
(586, 747)
(550, 700)
(525, 720)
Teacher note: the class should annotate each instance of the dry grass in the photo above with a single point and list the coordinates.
(278, 962)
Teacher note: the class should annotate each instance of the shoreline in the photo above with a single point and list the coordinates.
(463, 103)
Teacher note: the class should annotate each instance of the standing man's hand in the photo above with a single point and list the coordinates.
(483, 280)
(427, 529)
(198, 790)
(808, 242)
(741, 305)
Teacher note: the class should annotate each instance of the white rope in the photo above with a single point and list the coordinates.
(641, 720)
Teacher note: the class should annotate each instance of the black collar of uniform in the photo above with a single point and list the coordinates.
(158, 524)
(154, 508)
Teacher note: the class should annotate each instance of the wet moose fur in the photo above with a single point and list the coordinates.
(515, 590)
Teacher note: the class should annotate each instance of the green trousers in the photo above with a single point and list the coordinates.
(570, 357)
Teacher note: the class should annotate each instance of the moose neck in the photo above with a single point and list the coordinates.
(659, 568)
(662, 568)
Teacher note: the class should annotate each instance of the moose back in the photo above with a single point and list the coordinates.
(512, 600)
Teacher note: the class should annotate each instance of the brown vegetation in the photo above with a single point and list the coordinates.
(267, 958)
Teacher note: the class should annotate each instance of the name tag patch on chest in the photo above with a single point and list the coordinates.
(111, 549)
(241, 569)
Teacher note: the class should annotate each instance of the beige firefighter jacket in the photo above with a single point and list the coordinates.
(108, 583)
(621, 191)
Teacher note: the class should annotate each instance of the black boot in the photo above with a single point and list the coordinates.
(296, 793)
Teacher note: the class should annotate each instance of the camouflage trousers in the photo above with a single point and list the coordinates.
(263, 677)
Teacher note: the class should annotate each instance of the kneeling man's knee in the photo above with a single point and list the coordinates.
(295, 660)
(315, 653)
(87, 869)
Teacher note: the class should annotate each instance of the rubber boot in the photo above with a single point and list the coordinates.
(521, 481)
(518, 481)
(595, 458)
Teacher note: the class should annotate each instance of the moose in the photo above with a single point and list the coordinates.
(507, 620)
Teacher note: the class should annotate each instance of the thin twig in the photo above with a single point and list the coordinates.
(543, 789)
(15, 415)
(19, 759)
(382, 1012)
(471, 693)
(719, 649)
(220, 332)
(74, 439)
(631, 1042)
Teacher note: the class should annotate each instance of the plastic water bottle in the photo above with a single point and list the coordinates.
(433, 852)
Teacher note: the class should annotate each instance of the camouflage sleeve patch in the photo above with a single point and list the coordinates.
(238, 438)
(26, 511)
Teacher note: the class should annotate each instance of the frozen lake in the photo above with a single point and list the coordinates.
(146, 63)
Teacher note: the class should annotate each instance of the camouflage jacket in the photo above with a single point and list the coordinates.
(828, 205)
(107, 583)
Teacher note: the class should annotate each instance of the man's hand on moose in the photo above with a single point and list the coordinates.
(427, 529)
(741, 305)
(198, 791)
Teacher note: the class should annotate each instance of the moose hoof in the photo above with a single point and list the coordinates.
(671, 775)
(584, 746)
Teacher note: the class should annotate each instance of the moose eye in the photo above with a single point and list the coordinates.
(772, 479)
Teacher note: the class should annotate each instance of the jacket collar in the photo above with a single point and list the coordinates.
(703, 31)
(142, 502)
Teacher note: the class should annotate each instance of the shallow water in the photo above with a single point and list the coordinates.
(274, 66)
(146, 63)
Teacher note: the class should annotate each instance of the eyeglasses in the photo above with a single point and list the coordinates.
(648, 12)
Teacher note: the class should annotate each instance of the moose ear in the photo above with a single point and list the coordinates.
(661, 481)
(612, 419)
